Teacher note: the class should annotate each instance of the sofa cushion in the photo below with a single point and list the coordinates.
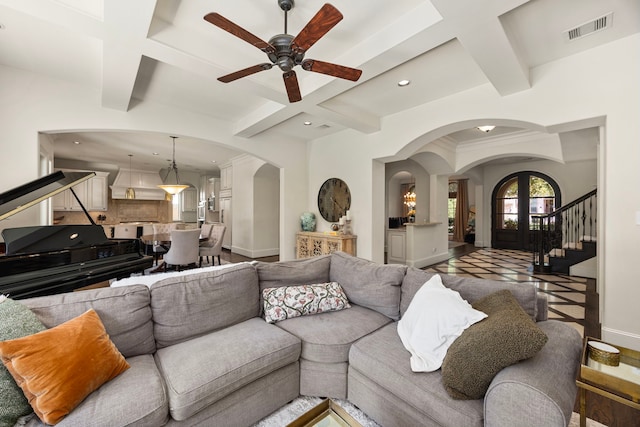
(435, 318)
(125, 313)
(88, 356)
(507, 336)
(542, 388)
(188, 306)
(111, 404)
(286, 302)
(203, 370)
(381, 358)
(16, 321)
(471, 289)
(369, 284)
(327, 337)
(294, 272)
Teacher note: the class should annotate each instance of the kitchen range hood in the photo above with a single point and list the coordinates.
(145, 184)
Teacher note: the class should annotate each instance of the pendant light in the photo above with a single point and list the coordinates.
(130, 193)
(172, 189)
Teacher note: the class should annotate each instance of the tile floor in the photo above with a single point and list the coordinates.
(566, 294)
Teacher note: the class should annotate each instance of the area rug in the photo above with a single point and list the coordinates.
(299, 406)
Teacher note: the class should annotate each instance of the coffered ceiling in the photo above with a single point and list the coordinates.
(164, 52)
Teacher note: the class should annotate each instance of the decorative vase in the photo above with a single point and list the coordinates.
(308, 221)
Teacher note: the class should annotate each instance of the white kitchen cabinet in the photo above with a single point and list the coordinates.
(396, 246)
(93, 194)
(189, 200)
(226, 219)
(226, 177)
(97, 198)
(65, 201)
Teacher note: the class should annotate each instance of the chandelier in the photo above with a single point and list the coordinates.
(172, 189)
(410, 199)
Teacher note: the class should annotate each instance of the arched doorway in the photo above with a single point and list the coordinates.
(515, 200)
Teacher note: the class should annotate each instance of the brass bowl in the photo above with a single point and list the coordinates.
(604, 353)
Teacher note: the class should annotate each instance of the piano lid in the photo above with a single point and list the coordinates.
(31, 193)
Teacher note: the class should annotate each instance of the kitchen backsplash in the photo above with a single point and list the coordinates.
(121, 211)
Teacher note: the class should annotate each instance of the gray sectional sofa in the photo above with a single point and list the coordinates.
(201, 354)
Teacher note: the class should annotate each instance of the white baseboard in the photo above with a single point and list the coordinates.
(621, 338)
(423, 262)
(252, 253)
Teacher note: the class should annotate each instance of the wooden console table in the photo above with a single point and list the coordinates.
(310, 244)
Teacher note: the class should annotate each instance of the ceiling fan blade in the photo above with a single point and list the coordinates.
(291, 83)
(246, 72)
(326, 18)
(222, 22)
(330, 69)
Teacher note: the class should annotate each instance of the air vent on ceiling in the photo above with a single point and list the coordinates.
(324, 126)
(590, 27)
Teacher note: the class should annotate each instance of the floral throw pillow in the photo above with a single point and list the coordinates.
(286, 302)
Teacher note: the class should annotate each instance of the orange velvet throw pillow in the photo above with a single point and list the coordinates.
(59, 367)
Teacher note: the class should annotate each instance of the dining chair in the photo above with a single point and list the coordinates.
(205, 232)
(162, 228)
(213, 246)
(125, 232)
(184, 248)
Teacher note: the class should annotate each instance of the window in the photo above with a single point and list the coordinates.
(451, 205)
(507, 205)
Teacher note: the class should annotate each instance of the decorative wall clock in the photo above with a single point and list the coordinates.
(334, 199)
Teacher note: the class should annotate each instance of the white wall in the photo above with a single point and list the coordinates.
(255, 207)
(589, 89)
(266, 211)
(421, 179)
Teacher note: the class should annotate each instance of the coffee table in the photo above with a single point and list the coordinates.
(326, 414)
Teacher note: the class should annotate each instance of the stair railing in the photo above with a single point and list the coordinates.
(565, 227)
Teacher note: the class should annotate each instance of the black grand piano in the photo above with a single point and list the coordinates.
(51, 259)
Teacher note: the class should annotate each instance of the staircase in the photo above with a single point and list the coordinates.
(567, 236)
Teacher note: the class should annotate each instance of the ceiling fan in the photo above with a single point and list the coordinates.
(287, 51)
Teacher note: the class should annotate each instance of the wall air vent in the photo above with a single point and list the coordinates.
(590, 27)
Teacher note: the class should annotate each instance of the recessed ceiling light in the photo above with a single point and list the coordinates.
(156, 154)
(402, 83)
(77, 142)
(308, 123)
(486, 129)
(213, 161)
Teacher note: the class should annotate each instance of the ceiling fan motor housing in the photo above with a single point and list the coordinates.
(285, 4)
(284, 57)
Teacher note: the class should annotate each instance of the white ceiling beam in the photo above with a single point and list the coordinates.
(496, 57)
(127, 24)
(478, 28)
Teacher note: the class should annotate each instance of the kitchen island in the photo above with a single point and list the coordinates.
(417, 244)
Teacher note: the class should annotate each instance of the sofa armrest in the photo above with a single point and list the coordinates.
(541, 390)
(542, 310)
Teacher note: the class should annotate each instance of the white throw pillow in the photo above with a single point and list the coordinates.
(435, 317)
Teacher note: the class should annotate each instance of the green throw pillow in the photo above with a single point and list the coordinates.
(16, 321)
(506, 336)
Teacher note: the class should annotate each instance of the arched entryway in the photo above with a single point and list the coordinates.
(515, 200)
